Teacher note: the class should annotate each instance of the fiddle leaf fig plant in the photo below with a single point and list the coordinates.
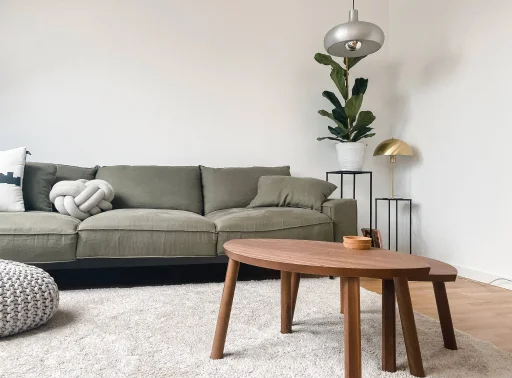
(351, 124)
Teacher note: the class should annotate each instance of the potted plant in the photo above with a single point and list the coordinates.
(350, 124)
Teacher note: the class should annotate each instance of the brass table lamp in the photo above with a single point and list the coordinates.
(393, 148)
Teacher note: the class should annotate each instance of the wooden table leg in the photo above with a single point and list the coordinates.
(342, 281)
(226, 303)
(412, 344)
(295, 290)
(286, 302)
(352, 327)
(388, 326)
(445, 316)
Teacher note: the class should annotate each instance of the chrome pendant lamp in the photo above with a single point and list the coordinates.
(354, 38)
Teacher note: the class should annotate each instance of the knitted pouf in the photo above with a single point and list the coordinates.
(28, 297)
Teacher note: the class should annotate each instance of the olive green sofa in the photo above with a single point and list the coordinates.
(166, 215)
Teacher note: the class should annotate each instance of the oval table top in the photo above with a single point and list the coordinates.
(439, 271)
(326, 258)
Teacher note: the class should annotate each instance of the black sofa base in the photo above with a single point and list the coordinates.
(130, 262)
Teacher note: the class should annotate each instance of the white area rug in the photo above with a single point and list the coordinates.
(168, 331)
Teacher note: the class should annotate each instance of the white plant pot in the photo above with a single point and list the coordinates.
(350, 156)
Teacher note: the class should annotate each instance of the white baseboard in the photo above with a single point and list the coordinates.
(484, 277)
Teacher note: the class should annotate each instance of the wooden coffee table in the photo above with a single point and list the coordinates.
(293, 257)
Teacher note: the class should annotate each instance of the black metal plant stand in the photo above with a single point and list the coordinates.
(354, 174)
(396, 219)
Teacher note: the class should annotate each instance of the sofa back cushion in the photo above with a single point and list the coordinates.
(37, 184)
(226, 188)
(70, 172)
(154, 187)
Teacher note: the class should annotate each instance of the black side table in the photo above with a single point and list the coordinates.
(396, 200)
(354, 174)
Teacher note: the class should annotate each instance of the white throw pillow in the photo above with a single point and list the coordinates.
(12, 167)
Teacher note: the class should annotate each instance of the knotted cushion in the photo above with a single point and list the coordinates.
(28, 297)
(82, 198)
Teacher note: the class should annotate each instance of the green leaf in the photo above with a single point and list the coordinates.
(330, 138)
(353, 61)
(341, 131)
(340, 116)
(338, 76)
(361, 128)
(358, 133)
(325, 113)
(365, 118)
(335, 131)
(359, 87)
(342, 125)
(362, 137)
(361, 133)
(352, 106)
(327, 60)
(332, 98)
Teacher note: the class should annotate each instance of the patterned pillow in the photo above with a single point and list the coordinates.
(12, 166)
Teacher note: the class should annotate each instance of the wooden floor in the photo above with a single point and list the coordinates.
(481, 310)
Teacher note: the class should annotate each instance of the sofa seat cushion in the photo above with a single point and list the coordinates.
(272, 223)
(127, 233)
(35, 237)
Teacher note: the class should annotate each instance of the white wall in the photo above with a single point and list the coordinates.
(452, 88)
(219, 83)
(234, 83)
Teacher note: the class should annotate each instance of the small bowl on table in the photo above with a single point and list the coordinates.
(357, 242)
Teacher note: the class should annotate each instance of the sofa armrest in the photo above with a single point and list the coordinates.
(343, 213)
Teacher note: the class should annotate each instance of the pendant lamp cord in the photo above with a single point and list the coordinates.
(353, 4)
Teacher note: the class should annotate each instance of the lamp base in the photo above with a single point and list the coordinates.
(392, 160)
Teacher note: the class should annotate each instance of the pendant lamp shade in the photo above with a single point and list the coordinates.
(354, 38)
